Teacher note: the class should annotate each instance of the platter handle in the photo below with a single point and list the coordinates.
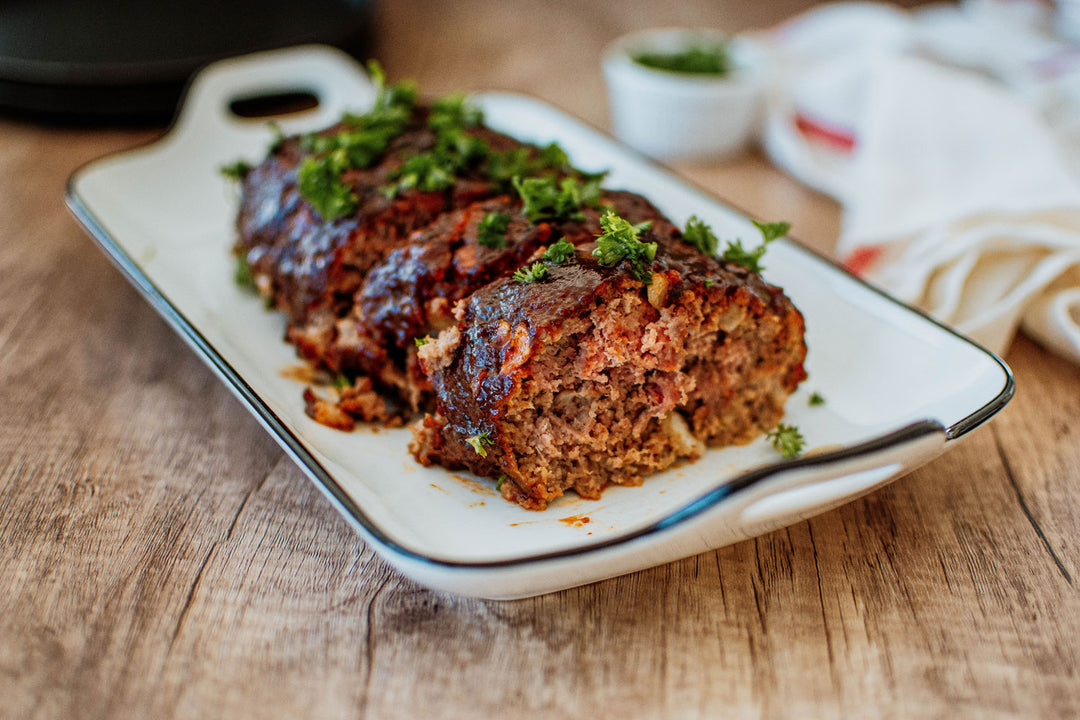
(336, 80)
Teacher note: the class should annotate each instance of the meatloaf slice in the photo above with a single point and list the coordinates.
(411, 294)
(304, 263)
(589, 376)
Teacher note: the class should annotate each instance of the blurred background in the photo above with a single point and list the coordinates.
(127, 61)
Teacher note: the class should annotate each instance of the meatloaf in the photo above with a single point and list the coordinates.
(553, 336)
(411, 293)
(600, 374)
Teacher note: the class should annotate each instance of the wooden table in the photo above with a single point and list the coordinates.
(161, 558)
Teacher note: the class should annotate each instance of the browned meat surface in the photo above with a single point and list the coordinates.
(589, 377)
(306, 264)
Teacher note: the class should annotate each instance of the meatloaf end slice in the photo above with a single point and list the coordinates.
(589, 377)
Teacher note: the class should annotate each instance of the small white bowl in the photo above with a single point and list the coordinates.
(672, 115)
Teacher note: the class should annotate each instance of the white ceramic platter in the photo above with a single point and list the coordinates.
(899, 388)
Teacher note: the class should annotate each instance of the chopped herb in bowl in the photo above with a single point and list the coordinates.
(712, 59)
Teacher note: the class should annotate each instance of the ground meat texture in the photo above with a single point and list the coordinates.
(412, 293)
(589, 377)
(305, 264)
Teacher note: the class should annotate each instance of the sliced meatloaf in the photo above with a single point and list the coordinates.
(411, 293)
(597, 374)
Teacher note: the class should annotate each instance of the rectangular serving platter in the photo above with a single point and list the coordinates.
(899, 387)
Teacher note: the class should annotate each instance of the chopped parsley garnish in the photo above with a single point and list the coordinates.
(709, 282)
(243, 275)
(426, 172)
(619, 241)
(362, 141)
(702, 59)
(491, 232)
(548, 199)
(532, 273)
(815, 399)
(560, 253)
(499, 483)
(751, 259)
(502, 167)
(787, 440)
(421, 341)
(480, 443)
(319, 180)
(236, 171)
(553, 157)
(454, 111)
(701, 236)
(437, 168)
(772, 231)
(342, 382)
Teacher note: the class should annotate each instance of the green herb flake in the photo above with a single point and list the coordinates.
(709, 282)
(700, 59)
(816, 399)
(436, 169)
(619, 241)
(546, 199)
(560, 253)
(243, 275)
(362, 141)
(426, 172)
(552, 156)
(454, 111)
(773, 231)
(342, 382)
(236, 171)
(736, 254)
(502, 167)
(480, 443)
(787, 440)
(421, 341)
(536, 271)
(319, 180)
(701, 236)
(491, 232)
(499, 483)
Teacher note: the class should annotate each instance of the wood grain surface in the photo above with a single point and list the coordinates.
(161, 558)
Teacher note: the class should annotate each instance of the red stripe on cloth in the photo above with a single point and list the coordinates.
(861, 260)
(835, 137)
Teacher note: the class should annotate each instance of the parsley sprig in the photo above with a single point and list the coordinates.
(480, 443)
(787, 440)
(453, 112)
(531, 273)
(560, 253)
(319, 180)
(545, 198)
(619, 241)
(502, 167)
(701, 236)
(751, 259)
(236, 171)
(361, 142)
(491, 232)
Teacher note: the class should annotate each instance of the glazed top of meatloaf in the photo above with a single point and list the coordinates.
(308, 258)
(446, 261)
(505, 323)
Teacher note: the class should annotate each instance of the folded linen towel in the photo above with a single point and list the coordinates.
(957, 195)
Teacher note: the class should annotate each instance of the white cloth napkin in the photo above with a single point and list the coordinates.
(956, 185)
